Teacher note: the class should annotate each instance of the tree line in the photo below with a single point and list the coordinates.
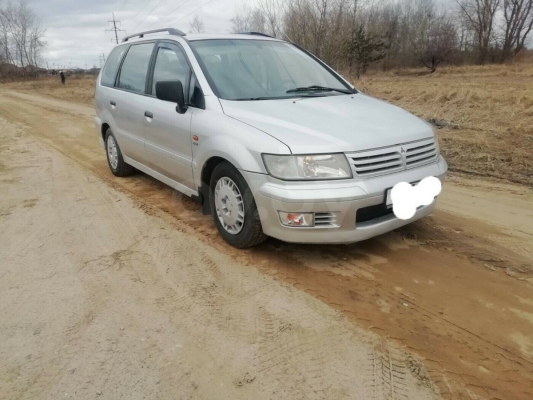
(21, 37)
(353, 34)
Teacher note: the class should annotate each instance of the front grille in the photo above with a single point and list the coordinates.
(376, 162)
(372, 212)
(326, 219)
(392, 159)
(421, 153)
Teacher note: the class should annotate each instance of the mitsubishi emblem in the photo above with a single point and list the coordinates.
(403, 154)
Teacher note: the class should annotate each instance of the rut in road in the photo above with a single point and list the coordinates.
(414, 286)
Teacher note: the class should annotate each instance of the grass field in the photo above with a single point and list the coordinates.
(488, 111)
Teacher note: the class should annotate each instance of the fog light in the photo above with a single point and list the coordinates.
(296, 219)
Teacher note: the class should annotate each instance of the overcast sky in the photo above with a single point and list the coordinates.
(75, 29)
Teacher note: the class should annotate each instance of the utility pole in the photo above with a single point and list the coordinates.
(114, 28)
(101, 57)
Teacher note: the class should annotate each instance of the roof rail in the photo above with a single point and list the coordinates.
(171, 31)
(256, 34)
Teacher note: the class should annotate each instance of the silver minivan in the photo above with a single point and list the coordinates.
(268, 138)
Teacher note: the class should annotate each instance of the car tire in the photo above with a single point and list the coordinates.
(250, 232)
(116, 162)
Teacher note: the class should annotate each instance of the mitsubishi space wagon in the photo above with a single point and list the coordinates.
(269, 139)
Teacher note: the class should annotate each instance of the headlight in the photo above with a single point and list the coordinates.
(308, 167)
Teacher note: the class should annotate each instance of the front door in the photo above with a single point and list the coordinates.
(167, 135)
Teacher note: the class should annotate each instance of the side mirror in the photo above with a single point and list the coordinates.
(171, 91)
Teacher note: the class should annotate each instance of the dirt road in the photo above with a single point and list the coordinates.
(110, 260)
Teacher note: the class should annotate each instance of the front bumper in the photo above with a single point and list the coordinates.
(344, 198)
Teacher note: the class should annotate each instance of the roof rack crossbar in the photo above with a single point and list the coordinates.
(171, 31)
(255, 33)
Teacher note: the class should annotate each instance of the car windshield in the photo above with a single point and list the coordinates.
(247, 69)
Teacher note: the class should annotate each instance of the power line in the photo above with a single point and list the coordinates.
(148, 15)
(175, 22)
(172, 12)
(124, 5)
(138, 12)
(114, 28)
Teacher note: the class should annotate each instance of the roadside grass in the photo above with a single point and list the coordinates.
(77, 88)
(485, 112)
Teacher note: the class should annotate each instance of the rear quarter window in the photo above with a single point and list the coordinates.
(111, 66)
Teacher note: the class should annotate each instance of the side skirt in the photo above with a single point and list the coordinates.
(160, 177)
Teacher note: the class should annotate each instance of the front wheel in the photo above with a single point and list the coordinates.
(234, 209)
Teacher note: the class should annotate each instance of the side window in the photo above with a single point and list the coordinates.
(135, 68)
(110, 70)
(171, 65)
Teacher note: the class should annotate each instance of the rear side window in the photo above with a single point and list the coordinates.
(111, 66)
(135, 68)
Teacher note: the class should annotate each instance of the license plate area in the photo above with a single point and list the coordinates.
(388, 199)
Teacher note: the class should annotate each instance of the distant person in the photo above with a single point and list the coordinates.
(62, 74)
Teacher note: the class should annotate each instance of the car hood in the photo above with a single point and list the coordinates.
(341, 123)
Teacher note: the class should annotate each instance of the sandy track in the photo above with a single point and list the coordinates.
(455, 288)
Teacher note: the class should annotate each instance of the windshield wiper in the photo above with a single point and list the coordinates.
(318, 88)
(257, 98)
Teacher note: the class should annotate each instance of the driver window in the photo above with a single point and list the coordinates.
(171, 65)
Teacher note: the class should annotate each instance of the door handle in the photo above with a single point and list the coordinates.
(148, 114)
(113, 103)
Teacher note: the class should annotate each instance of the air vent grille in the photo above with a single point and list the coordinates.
(326, 220)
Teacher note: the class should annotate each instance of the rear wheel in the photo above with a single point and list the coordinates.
(114, 156)
(234, 209)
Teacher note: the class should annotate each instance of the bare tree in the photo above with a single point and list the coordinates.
(317, 25)
(390, 23)
(248, 20)
(6, 27)
(518, 23)
(433, 34)
(272, 12)
(353, 34)
(298, 22)
(480, 15)
(196, 25)
(21, 35)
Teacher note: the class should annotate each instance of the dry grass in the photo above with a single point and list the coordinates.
(490, 109)
(79, 89)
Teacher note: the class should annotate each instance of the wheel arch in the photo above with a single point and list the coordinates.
(103, 130)
(205, 178)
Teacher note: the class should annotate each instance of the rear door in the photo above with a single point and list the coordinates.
(128, 101)
(105, 91)
(168, 133)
